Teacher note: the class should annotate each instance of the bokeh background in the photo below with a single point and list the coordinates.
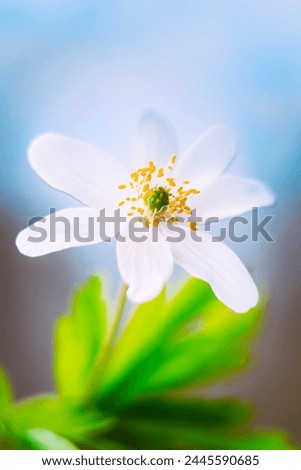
(90, 69)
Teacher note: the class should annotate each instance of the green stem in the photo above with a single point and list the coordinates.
(118, 317)
(99, 368)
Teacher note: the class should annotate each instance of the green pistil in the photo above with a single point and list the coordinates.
(159, 200)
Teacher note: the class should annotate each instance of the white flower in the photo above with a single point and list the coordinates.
(159, 189)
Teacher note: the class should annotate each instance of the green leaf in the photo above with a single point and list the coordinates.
(220, 348)
(163, 435)
(79, 338)
(171, 351)
(139, 338)
(43, 439)
(100, 443)
(134, 401)
(171, 423)
(192, 423)
(259, 440)
(152, 325)
(61, 417)
(6, 394)
(218, 413)
(188, 303)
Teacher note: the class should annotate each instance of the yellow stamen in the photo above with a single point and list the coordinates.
(177, 197)
(160, 173)
(134, 176)
(171, 181)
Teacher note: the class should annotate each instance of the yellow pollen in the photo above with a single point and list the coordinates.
(193, 226)
(160, 173)
(122, 186)
(186, 182)
(145, 187)
(171, 181)
(134, 176)
(121, 203)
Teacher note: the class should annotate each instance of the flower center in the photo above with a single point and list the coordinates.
(158, 199)
(155, 196)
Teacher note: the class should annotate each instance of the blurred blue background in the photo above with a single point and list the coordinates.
(90, 69)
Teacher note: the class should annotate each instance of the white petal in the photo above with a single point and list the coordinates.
(79, 227)
(145, 266)
(230, 196)
(79, 169)
(207, 157)
(218, 265)
(155, 140)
